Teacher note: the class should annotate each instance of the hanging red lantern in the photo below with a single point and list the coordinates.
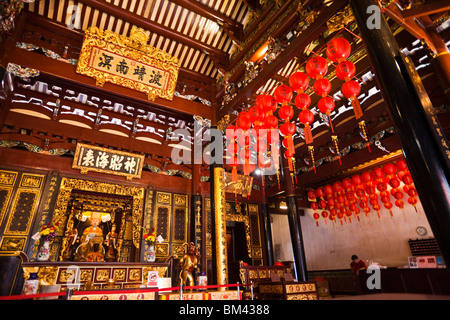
(271, 122)
(338, 49)
(302, 101)
(356, 181)
(311, 195)
(345, 70)
(401, 165)
(317, 67)
(316, 217)
(399, 203)
(282, 94)
(287, 128)
(351, 89)
(324, 215)
(286, 112)
(326, 106)
(267, 102)
(299, 81)
(322, 87)
(256, 114)
(306, 117)
(319, 192)
(328, 190)
(389, 169)
(366, 177)
(243, 120)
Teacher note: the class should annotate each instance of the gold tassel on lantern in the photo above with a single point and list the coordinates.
(335, 141)
(362, 127)
(311, 152)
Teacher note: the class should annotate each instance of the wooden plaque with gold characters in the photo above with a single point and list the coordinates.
(129, 62)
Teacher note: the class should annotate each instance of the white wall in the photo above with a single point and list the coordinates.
(330, 246)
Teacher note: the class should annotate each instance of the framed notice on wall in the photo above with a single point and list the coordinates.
(92, 158)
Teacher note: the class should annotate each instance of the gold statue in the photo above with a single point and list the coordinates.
(188, 263)
(111, 242)
(71, 236)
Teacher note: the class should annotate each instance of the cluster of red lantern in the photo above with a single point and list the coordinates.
(346, 198)
(261, 115)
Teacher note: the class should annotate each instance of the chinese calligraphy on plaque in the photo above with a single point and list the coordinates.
(93, 158)
(128, 62)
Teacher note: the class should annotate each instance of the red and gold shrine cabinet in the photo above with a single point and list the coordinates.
(94, 276)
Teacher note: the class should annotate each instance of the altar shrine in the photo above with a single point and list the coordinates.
(253, 146)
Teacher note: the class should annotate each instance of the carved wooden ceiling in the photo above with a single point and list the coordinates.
(229, 52)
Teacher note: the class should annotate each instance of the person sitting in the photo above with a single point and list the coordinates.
(356, 265)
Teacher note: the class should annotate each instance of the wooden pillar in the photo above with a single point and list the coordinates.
(196, 218)
(267, 230)
(426, 153)
(294, 222)
(218, 222)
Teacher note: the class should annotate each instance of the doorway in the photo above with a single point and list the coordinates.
(237, 242)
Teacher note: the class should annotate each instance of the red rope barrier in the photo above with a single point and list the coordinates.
(32, 296)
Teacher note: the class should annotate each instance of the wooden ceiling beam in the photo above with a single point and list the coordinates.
(233, 28)
(152, 26)
(66, 72)
(90, 136)
(426, 9)
(297, 45)
(76, 36)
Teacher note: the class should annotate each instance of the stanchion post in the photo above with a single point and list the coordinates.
(69, 294)
(251, 289)
(238, 291)
(181, 291)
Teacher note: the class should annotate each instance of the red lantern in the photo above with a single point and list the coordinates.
(316, 217)
(356, 180)
(366, 177)
(322, 87)
(326, 105)
(351, 90)
(311, 195)
(319, 192)
(401, 165)
(287, 128)
(298, 81)
(267, 102)
(283, 94)
(302, 101)
(317, 67)
(389, 169)
(271, 122)
(338, 49)
(328, 190)
(307, 117)
(345, 70)
(286, 112)
(256, 113)
(243, 121)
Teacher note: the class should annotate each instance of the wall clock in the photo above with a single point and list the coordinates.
(421, 231)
